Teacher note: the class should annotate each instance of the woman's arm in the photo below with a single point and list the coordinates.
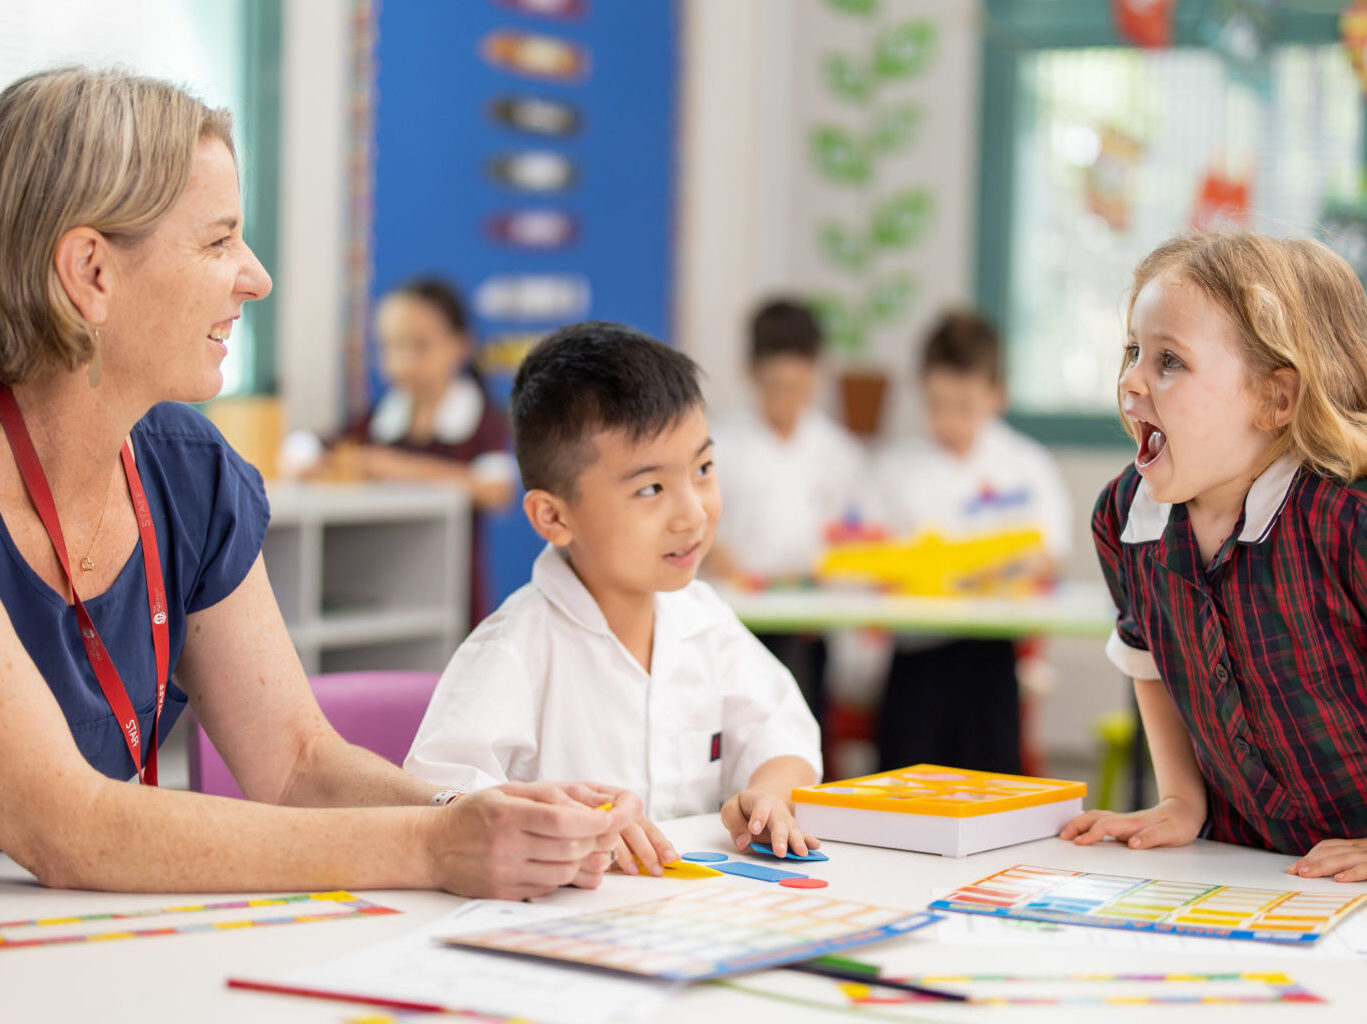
(75, 828)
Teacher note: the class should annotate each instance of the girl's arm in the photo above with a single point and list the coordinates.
(1181, 809)
(378, 462)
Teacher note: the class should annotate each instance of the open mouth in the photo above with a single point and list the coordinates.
(684, 556)
(1152, 443)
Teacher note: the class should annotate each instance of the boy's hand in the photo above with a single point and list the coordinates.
(753, 812)
(1345, 859)
(1171, 822)
(642, 840)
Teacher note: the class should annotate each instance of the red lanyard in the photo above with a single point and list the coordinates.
(21, 444)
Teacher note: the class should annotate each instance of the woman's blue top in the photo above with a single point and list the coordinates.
(210, 512)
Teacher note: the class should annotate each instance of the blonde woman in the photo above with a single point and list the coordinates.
(1235, 547)
(130, 550)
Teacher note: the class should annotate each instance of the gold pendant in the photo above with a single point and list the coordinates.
(86, 564)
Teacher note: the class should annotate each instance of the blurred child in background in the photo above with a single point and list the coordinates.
(956, 702)
(435, 421)
(788, 472)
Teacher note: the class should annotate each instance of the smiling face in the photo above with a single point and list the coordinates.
(181, 288)
(644, 514)
(1185, 393)
(419, 350)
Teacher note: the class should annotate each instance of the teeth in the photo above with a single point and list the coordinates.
(221, 333)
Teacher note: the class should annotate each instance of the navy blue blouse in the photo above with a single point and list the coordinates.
(210, 512)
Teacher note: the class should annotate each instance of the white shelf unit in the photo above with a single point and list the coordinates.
(370, 576)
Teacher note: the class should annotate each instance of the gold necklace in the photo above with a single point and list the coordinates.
(87, 564)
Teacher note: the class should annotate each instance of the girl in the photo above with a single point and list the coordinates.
(1235, 547)
(435, 422)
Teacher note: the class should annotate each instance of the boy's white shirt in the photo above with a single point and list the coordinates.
(781, 494)
(1006, 481)
(543, 689)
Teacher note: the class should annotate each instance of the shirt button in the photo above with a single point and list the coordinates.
(1222, 673)
(1240, 747)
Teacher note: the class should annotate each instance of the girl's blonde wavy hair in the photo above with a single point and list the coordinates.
(82, 148)
(1295, 305)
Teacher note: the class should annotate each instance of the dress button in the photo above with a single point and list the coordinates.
(1222, 673)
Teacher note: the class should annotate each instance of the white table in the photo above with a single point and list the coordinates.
(181, 978)
(1073, 609)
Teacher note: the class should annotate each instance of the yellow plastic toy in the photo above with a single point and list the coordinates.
(933, 565)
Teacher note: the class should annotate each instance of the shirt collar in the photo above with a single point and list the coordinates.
(682, 613)
(1264, 502)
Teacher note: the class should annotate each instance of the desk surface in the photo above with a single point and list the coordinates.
(1074, 609)
(181, 977)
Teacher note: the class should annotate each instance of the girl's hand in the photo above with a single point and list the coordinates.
(759, 814)
(1171, 822)
(643, 841)
(1345, 859)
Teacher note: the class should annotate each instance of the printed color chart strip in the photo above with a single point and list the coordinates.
(255, 912)
(1145, 904)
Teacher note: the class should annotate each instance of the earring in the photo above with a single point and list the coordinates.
(95, 367)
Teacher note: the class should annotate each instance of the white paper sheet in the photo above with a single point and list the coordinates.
(415, 968)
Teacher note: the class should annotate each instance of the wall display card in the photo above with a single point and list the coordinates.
(930, 808)
(705, 933)
(1147, 904)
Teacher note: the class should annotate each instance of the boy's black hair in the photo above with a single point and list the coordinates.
(588, 377)
(784, 327)
(964, 342)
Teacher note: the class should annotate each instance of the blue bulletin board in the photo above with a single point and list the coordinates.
(525, 149)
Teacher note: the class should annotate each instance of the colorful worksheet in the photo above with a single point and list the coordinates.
(188, 919)
(705, 933)
(1206, 909)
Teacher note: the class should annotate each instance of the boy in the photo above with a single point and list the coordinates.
(956, 702)
(788, 471)
(613, 662)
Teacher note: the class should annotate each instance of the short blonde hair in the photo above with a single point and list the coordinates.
(103, 149)
(1295, 305)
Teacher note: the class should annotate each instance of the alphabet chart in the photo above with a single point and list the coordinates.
(705, 933)
(1147, 904)
(185, 920)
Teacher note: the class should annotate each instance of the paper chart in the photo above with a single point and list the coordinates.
(253, 912)
(1212, 910)
(705, 933)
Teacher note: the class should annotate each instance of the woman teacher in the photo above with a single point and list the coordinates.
(131, 579)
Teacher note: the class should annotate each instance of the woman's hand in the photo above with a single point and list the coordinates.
(756, 813)
(1345, 859)
(1170, 822)
(643, 842)
(526, 839)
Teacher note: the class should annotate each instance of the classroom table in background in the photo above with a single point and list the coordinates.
(182, 977)
(1071, 609)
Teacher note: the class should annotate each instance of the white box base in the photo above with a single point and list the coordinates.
(934, 833)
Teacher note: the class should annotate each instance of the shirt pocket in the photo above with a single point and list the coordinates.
(698, 758)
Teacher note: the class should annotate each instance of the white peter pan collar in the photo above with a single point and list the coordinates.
(1263, 504)
(457, 419)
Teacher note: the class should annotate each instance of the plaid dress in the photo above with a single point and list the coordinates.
(1263, 650)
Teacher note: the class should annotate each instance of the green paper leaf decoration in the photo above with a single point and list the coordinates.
(841, 324)
(903, 220)
(842, 247)
(890, 298)
(895, 127)
(863, 8)
(839, 155)
(904, 50)
(847, 77)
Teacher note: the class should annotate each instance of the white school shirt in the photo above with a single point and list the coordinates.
(543, 689)
(1006, 481)
(780, 494)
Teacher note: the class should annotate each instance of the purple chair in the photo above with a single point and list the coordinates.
(376, 710)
